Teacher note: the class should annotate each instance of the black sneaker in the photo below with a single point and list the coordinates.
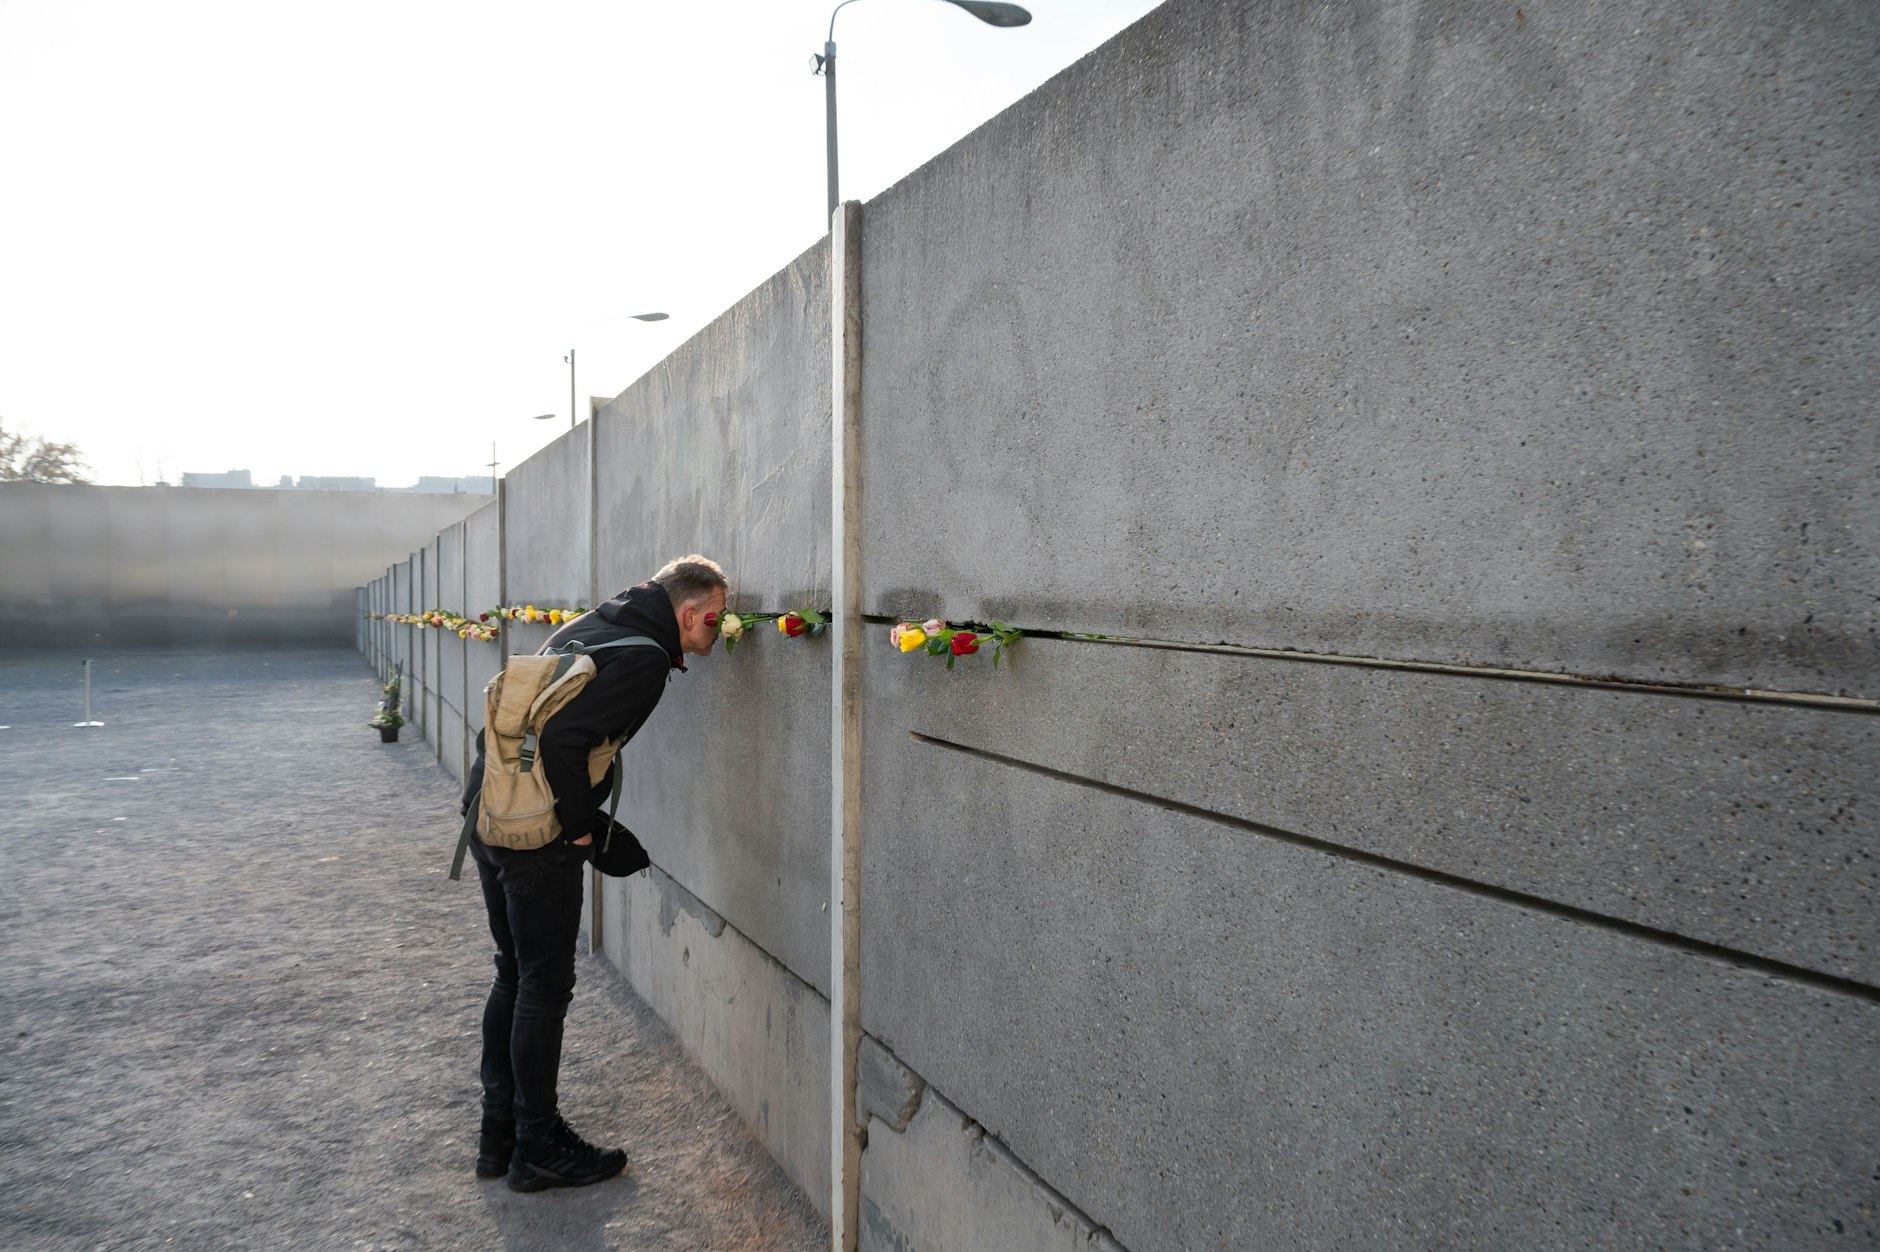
(496, 1143)
(561, 1158)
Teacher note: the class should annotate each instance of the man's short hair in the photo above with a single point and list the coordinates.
(690, 578)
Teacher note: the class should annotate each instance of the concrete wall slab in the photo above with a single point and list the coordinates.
(941, 1185)
(482, 589)
(1744, 825)
(1205, 1038)
(451, 649)
(723, 448)
(1412, 331)
(402, 652)
(430, 641)
(760, 1034)
(453, 750)
(482, 592)
(546, 528)
(726, 785)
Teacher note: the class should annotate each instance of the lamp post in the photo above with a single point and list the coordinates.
(987, 11)
(624, 317)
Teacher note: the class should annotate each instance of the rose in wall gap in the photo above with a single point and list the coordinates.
(733, 627)
(936, 638)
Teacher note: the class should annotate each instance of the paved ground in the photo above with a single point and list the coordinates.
(241, 998)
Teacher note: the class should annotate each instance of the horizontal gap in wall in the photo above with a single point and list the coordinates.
(1690, 691)
(1505, 895)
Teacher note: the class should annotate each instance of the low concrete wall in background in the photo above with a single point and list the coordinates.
(89, 566)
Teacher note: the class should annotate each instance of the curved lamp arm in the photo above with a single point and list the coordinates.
(991, 12)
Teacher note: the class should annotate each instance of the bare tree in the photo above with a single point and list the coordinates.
(29, 459)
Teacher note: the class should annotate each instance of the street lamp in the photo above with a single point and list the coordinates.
(624, 317)
(992, 14)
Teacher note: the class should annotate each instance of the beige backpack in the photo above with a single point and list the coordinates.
(515, 808)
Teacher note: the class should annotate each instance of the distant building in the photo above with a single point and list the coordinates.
(234, 478)
(468, 485)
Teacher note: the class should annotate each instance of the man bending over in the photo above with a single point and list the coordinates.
(534, 896)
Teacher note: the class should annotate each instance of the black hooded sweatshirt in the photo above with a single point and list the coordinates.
(614, 705)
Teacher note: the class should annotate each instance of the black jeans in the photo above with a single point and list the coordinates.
(534, 902)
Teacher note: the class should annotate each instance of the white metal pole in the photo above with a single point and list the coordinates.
(87, 721)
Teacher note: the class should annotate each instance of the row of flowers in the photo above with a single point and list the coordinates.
(936, 638)
(732, 627)
(933, 637)
(484, 625)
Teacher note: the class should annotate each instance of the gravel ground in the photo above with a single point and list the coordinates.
(242, 998)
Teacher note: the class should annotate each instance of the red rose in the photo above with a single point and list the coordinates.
(792, 625)
(965, 643)
(483, 617)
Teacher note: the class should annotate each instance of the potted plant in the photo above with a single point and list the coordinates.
(388, 719)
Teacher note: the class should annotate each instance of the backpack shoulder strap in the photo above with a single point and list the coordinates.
(567, 652)
(575, 647)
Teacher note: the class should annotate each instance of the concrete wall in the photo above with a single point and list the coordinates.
(545, 525)
(1445, 338)
(483, 592)
(1508, 343)
(452, 700)
(1434, 805)
(724, 449)
(172, 566)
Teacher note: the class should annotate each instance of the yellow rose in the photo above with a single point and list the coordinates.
(911, 637)
(554, 617)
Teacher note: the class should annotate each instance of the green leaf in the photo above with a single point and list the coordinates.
(936, 646)
(818, 627)
(950, 661)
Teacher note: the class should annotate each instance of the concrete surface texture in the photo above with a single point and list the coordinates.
(90, 566)
(452, 652)
(431, 643)
(725, 787)
(1741, 824)
(545, 529)
(938, 1171)
(241, 1015)
(1443, 331)
(760, 1033)
(482, 591)
(723, 448)
(402, 640)
(1205, 1038)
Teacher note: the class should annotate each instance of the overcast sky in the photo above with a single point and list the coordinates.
(357, 239)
